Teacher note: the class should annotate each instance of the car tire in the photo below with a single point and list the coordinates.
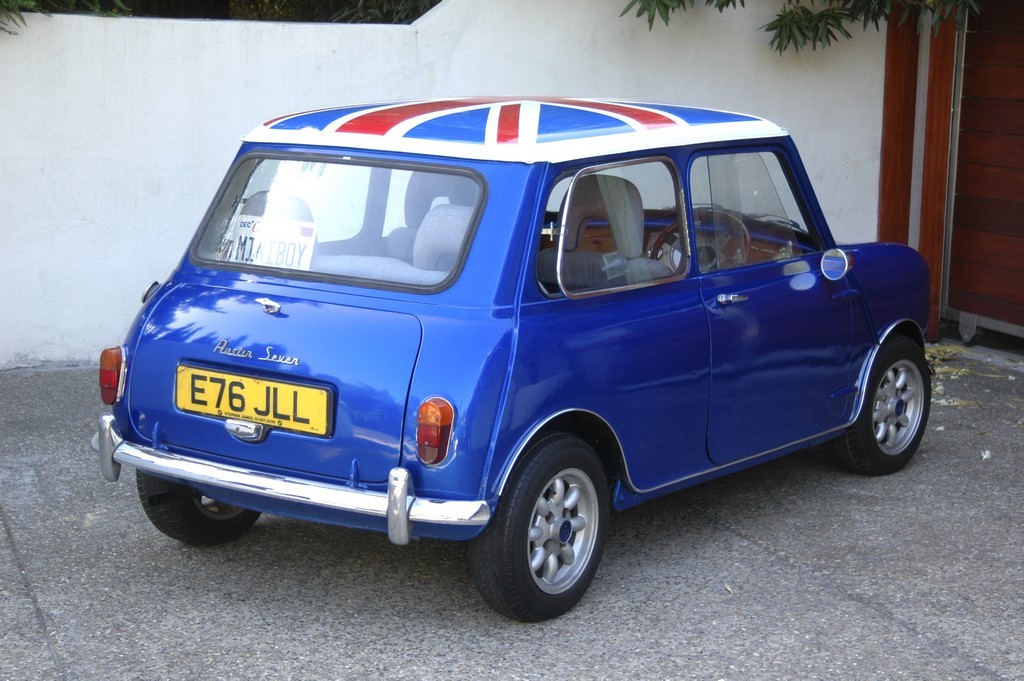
(894, 413)
(541, 549)
(187, 515)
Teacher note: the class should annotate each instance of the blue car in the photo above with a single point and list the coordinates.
(493, 320)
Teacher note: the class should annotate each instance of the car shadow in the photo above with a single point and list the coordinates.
(316, 566)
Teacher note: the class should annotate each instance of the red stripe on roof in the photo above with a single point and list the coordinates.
(382, 121)
(508, 124)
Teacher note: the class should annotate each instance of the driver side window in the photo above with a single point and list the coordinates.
(746, 211)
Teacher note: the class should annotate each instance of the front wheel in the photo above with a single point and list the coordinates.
(894, 414)
(187, 515)
(540, 551)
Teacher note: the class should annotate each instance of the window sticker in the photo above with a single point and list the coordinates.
(614, 266)
(271, 242)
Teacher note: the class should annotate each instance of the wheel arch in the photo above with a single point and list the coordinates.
(907, 328)
(589, 427)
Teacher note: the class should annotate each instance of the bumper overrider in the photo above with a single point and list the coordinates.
(398, 505)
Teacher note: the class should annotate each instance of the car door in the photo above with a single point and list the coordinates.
(617, 329)
(780, 331)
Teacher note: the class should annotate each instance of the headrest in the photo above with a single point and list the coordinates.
(440, 237)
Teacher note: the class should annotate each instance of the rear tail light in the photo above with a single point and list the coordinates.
(434, 430)
(112, 369)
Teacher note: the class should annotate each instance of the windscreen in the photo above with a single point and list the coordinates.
(372, 223)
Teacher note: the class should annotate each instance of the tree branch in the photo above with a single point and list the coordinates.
(819, 23)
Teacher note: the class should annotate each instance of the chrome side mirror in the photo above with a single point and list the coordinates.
(835, 263)
(153, 288)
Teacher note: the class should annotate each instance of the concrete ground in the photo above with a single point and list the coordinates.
(793, 570)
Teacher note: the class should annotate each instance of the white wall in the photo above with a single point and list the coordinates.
(114, 133)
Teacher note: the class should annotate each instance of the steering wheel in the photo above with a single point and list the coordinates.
(667, 248)
(730, 244)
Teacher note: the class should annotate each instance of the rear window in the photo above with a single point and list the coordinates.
(378, 224)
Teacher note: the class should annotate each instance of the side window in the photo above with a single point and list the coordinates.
(745, 210)
(617, 226)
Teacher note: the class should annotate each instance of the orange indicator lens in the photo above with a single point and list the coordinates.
(433, 430)
(110, 374)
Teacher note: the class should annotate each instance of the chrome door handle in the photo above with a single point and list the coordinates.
(729, 299)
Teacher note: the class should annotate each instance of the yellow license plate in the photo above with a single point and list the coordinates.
(273, 403)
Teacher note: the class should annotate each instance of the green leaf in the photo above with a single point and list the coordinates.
(823, 22)
(656, 8)
(11, 14)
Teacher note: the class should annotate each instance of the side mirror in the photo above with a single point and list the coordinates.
(835, 263)
(153, 288)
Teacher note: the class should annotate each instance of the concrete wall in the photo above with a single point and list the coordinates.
(114, 133)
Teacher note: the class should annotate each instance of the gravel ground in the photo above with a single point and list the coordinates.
(793, 570)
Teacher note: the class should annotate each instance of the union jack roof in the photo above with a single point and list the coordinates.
(511, 129)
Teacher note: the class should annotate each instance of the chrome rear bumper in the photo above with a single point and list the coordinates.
(399, 506)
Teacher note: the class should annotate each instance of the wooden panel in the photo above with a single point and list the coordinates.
(989, 249)
(994, 82)
(983, 115)
(898, 113)
(986, 259)
(935, 166)
(988, 215)
(987, 307)
(1004, 151)
(986, 281)
(1004, 16)
(994, 49)
(989, 182)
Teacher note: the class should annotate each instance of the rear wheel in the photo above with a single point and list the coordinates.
(894, 414)
(187, 515)
(540, 551)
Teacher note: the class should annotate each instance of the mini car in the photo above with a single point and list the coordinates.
(494, 320)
